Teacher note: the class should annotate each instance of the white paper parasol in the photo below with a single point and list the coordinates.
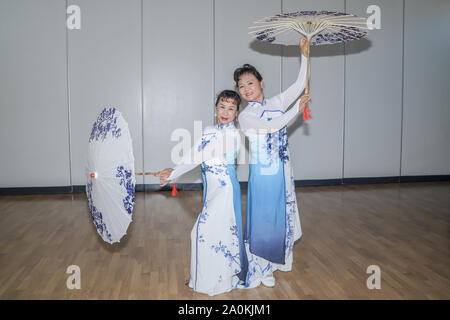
(111, 180)
(320, 27)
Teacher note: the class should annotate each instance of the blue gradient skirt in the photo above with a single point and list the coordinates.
(265, 222)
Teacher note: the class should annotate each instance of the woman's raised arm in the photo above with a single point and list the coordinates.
(287, 97)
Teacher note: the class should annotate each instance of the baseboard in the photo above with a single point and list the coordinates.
(36, 190)
(244, 184)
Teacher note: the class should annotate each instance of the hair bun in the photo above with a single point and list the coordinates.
(246, 68)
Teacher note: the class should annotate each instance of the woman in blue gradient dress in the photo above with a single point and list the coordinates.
(272, 222)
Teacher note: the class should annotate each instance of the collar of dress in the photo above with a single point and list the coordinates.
(257, 103)
(225, 126)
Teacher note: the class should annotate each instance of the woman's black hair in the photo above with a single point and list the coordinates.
(229, 94)
(246, 68)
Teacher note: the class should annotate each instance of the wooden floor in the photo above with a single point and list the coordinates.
(402, 228)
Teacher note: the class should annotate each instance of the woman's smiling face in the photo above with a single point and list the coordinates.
(250, 88)
(226, 111)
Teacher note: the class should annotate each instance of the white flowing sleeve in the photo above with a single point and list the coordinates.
(250, 121)
(211, 145)
(286, 98)
(182, 168)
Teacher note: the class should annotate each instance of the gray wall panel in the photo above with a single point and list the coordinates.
(426, 95)
(373, 101)
(316, 144)
(105, 71)
(178, 77)
(34, 134)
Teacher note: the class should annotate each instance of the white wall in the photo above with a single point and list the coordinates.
(373, 95)
(104, 71)
(34, 134)
(316, 145)
(380, 105)
(426, 94)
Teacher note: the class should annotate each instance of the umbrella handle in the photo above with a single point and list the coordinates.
(306, 112)
(146, 173)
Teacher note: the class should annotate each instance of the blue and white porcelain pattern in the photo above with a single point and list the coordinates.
(273, 154)
(97, 216)
(106, 123)
(271, 196)
(111, 195)
(126, 180)
(216, 249)
(340, 27)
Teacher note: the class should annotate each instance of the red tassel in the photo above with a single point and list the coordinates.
(174, 190)
(306, 113)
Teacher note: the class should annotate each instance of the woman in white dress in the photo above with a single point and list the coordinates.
(218, 257)
(272, 223)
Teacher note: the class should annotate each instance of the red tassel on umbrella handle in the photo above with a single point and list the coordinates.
(306, 113)
(174, 190)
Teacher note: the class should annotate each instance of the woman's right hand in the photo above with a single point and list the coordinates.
(163, 175)
(304, 99)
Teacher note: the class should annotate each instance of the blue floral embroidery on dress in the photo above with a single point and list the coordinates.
(203, 215)
(203, 145)
(234, 233)
(97, 216)
(276, 142)
(270, 143)
(271, 146)
(255, 268)
(219, 170)
(289, 227)
(291, 207)
(283, 145)
(234, 230)
(216, 169)
(226, 253)
(127, 181)
(106, 122)
(206, 139)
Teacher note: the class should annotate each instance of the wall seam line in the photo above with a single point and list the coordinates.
(403, 88)
(68, 97)
(142, 92)
(344, 103)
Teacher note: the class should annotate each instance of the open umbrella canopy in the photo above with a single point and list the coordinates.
(110, 175)
(321, 27)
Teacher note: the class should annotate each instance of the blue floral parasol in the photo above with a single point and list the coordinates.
(110, 175)
(319, 27)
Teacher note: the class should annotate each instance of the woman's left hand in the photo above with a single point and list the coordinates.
(304, 46)
(304, 99)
